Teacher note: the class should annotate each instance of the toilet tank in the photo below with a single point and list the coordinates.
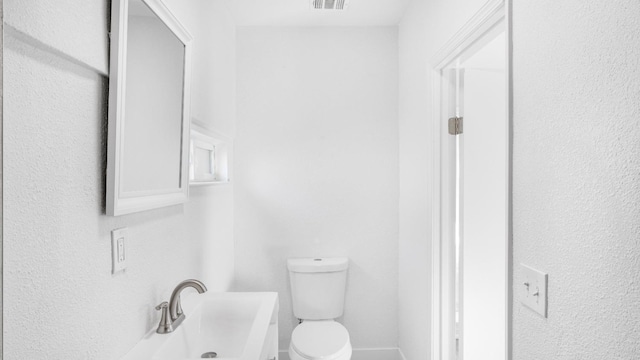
(318, 287)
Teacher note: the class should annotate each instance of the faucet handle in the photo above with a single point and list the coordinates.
(164, 326)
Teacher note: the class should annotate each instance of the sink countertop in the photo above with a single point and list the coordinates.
(249, 314)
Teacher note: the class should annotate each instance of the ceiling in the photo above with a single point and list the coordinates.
(300, 13)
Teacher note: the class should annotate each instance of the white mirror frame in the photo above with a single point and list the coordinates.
(117, 202)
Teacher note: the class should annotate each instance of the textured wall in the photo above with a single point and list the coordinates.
(56, 25)
(317, 164)
(425, 28)
(576, 176)
(60, 297)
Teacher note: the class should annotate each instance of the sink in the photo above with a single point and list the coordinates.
(235, 325)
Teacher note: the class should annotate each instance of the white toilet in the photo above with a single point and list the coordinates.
(317, 289)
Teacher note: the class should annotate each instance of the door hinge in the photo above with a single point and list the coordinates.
(455, 125)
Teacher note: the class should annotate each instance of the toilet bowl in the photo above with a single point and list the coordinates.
(320, 340)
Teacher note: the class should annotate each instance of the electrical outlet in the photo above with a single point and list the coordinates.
(533, 289)
(118, 252)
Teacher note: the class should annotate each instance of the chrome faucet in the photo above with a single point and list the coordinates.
(171, 321)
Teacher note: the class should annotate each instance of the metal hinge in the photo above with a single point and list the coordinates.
(455, 125)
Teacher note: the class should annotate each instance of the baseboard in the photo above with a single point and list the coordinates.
(363, 354)
(402, 357)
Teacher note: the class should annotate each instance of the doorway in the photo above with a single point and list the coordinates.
(472, 219)
(478, 113)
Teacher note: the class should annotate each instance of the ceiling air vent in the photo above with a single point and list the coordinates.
(329, 4)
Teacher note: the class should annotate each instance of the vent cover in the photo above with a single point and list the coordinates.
(329, 4)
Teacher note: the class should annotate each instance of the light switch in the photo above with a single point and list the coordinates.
(533, 289)
(118, 254)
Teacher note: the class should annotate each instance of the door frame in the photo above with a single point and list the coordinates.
(491, 14)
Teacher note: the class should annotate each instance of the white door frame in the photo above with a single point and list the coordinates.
(443, 269)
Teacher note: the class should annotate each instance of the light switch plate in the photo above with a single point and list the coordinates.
(533, 289)
(118, 250)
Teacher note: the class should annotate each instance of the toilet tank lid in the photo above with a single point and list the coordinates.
(312, 265)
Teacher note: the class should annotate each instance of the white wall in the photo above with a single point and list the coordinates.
(425, 28)
(576, 176)
(317, 167)
(213, 105)
(60, 298)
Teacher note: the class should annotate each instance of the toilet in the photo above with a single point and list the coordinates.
(317, 290)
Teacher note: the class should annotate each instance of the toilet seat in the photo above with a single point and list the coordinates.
(321, 340)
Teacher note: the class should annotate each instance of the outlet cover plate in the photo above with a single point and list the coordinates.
(533, 289)
(118, 251)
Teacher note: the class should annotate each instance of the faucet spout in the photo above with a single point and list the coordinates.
(175, 309)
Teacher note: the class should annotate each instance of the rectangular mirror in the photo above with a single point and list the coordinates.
(148, 144)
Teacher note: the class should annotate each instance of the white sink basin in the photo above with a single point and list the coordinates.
(240, 326)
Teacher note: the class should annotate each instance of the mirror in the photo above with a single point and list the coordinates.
(147, 161)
